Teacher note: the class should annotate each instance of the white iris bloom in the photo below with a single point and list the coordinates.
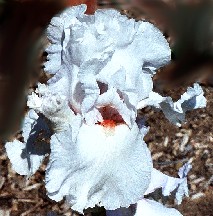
(109, 156)
(102, 68)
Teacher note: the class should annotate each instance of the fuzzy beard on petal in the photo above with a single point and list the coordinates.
(107, 165)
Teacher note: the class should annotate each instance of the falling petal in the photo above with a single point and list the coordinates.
(26, 157)
(88, 170)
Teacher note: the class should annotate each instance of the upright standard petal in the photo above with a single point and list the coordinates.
(106, 48)
(58, 34)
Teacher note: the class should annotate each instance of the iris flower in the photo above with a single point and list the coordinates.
(102, 68)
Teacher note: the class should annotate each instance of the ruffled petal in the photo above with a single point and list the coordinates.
(107, 48)
(15, 151)
(183, 187)
(53, 106)
(154, 100)
(27, 157)
(91, 167)
(169, 184)
(175, 112)
(155, 48)
(192, 99)
(146, 207)
(112, 98)
(58, 34)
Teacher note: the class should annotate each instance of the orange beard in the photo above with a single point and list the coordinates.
(108, 123)
(111, 117)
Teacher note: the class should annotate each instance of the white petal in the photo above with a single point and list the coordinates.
(182, 191)
(183, 171)
(155, 48)
(26, 157)
(112, 98)
(168, 184)
(96, 169)
(52, 105)
(116, 25)
(192, 99)
(57, 32)
(29, 123)
(175, 111)
(57, 110)
(34, 102)
(124, 73)
(60, 83)
(87, 74)
(15, 151)
(160, 180)
(154, 100)
(53, 65)
(23, 161)
(93, 116)
(106, 47)
(146, 207)
(183, 187)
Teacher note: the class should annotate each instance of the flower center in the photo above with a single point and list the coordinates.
(108, 123)
(111, 117)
